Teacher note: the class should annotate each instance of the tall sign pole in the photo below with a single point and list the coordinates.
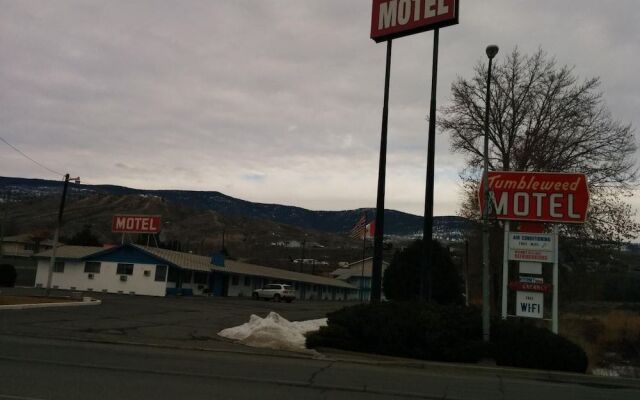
(376, 272)
(427, 232)
(392, 19)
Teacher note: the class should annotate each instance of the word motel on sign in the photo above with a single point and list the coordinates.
(401, 12)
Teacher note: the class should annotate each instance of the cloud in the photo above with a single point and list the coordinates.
(201, 95)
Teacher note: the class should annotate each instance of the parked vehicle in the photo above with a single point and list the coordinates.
(275, 291)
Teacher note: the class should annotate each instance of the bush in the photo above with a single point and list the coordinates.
(402, 277)
(516, 343)
(445, 333)
(8, 275)
(418, 330)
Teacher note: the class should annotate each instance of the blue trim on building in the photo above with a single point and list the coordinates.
(126, 254)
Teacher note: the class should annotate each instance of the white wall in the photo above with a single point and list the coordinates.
(240, 289)
(74, 278)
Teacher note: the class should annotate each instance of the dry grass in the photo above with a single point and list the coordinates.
(603, 333)
(14, 300)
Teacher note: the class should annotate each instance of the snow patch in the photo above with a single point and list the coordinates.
(273, 332)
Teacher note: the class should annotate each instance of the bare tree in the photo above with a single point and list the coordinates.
(543, 118)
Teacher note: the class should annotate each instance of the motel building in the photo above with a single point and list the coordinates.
(150, 271)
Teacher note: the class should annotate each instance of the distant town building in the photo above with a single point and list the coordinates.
(24, 245)
(18, 251)
(359, 274)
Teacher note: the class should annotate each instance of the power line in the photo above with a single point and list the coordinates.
(29, 158)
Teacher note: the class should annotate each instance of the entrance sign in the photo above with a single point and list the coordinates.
(529, 304)
(537, 196)
(135, 224)
(392, 19)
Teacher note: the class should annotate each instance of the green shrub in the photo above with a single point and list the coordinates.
(445, 333)
(401, 280)
(7, 275)
(516, 343)
(418, 330)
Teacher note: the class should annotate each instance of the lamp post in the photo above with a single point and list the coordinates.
(492, 50)
(52, 261)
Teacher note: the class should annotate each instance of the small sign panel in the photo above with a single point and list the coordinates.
(529, 304)
(135, 224)
(530, 287)
(531, 255)
(528, 267)
(392, 19)
(530, 241)
(531, 279)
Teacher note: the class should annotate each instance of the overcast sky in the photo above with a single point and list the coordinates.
(273, 101)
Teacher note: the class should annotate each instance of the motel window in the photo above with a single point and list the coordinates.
(200, 278)
(235, 280)
(92, 267)
(58, 266)
(161, 273)
(125, 269)
(247, 281)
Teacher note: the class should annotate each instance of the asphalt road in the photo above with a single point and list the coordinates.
(141, 347)
(56, 369)
(186, 322)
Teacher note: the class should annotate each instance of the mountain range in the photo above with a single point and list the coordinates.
(396, 222)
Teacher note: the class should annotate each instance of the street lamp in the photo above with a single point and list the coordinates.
(492, 50)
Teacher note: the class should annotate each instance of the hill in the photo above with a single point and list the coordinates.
(396, 222)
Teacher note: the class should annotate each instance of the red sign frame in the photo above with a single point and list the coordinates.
(391, 19)
(537, 196)
(128, 223)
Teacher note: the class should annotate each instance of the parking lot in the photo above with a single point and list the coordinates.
(188, 322)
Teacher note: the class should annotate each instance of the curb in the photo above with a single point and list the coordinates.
(512, 372)
(92, 302)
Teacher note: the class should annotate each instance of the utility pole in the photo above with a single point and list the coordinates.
(3, 222)
(56, 235)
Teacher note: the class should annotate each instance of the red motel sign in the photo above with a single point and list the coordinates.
(135, 224)
(537, 196)
(392, 19)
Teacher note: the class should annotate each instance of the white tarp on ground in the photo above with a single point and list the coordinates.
(273, 332)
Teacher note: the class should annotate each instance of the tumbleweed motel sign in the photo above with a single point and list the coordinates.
(534, 197)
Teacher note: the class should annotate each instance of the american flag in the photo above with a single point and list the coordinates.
(359, 229)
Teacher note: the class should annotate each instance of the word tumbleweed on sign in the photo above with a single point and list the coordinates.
(136, 223)
(391, 19)
(537, 196)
